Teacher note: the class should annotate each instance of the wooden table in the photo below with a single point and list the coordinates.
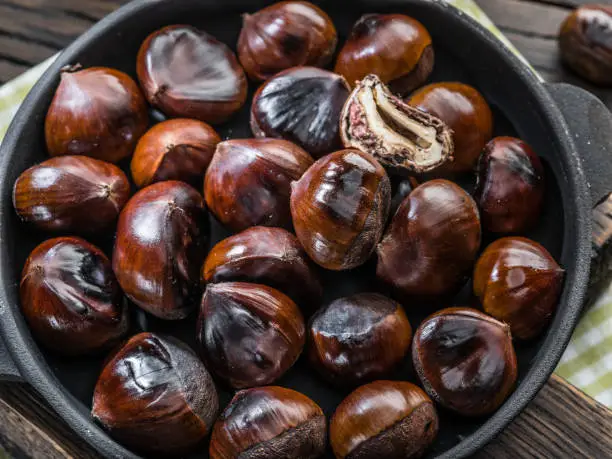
(560, 422)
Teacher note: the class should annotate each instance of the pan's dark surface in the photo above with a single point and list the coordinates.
(464, 52)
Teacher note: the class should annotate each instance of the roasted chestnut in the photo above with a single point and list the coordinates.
(391, 419)
(160, 246)
(519, 283)
(395, 47)
(398, 135)
(269, 423)
(179, 149)
(155, 396)
(98, 112)
(248, 182)
(187, 73)
(71, 299)
(465, 360)
(269, 256)
(250, 334)
(71, 193)
(303, 105)
(510, 186)
(464, 110)
(285, 35)
(358, 338)
(339, 208)
(432, 242)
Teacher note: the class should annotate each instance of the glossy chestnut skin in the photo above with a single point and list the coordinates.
(71, 193)
(179, 149)
(187, 73)
(358, 338)
(269, 423)
(248, 182)
(390, 419)
(339, 208)
(98, 112)
(466, 112)
(465, 360)
(282, 108)
(160, 246)
(250, 334)
(510, 186)
(284, 35)
(432, 242)
(155, 396)
(395, 47)
(269, 256)
(519, 283)
(71, 299)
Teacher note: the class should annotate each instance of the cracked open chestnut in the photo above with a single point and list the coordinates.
(71, 299)
(391, 419)
(154, 395)
(465, 360)
(269, 423)
(340, 207)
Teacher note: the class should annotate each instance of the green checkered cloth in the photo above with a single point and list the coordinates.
(587, 362)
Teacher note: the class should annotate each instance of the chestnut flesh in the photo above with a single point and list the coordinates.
(519, 283)
(154, 395)
(465, 360)
(269, 423)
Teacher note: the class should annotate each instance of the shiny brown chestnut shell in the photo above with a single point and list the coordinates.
(358, 338)
(160, 246)
(519, 283)
(71, 299)
(269, 423)
(250, 334)
(384, 419)
(395, 47)
(269, 256)
(510, 186)
(284, 35)
(465, 360)
(432, 242)
(71, 193)
(187, 73)
(98, 112)
(179, 149)
(248, 182)
(154, 395)
(339, 208)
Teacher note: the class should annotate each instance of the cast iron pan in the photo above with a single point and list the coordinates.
(566, 126)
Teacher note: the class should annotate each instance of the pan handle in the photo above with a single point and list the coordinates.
(8, 370)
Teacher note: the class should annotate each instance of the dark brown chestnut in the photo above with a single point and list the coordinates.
(465, 360)
(395, 47)
(248, 182)
(250, 334)
(432, 242)
(160, 246)
(155, 396)
(519, 283)
(187, 73)
(269, 256)
(303, 105)
(71, 299)
(358, 338)
(98, 112)
(269, 423)
(510, 186)
(391, 419)
(179, 149)
(285, 35)
(339, 208)
(71, 193)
